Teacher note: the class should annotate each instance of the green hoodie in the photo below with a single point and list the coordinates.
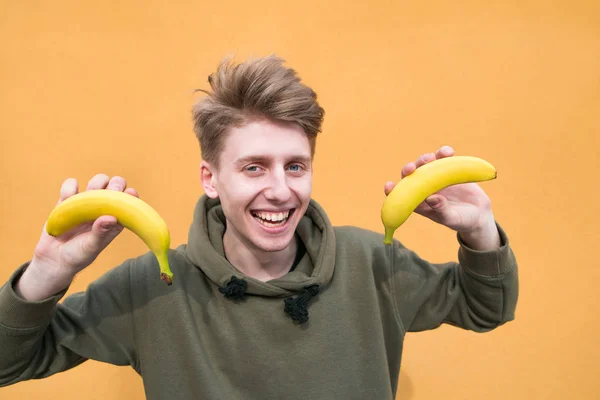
(211, 336)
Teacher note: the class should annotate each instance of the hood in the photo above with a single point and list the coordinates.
(205, 250)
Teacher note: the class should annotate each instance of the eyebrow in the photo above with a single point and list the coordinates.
(265, 160)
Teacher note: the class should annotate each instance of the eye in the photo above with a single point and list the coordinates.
(297, 169)
(253, 170)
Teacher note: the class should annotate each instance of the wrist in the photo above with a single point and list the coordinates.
(483, 237)
(40, 281)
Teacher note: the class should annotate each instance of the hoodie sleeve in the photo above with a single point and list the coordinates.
(479, 292)
(39, 339)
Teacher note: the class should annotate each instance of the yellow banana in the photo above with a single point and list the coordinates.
(130, 211)
(426, 180)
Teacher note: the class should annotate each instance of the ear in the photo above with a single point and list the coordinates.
(207, 175)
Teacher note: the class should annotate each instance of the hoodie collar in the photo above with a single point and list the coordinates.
(205, 250)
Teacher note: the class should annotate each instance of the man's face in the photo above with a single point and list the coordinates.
(264, 182)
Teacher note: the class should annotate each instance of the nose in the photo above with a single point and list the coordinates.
(278, 189)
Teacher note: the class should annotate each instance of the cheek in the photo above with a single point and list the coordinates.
(302, 188)
(246, 190)
(240, 192)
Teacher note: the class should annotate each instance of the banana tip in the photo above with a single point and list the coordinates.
(166, 278)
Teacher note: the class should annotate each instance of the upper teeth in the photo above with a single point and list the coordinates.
(273, 216)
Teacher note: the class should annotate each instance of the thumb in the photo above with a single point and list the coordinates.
(104, 230)
(436, 202)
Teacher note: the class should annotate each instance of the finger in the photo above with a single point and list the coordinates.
(106, 222)
(433, 205)
(387, 188)
(436, 202)
(424, 159)
(106, 226)
(99, 181)
(68, 188)
(132, 192)
(444, 151)
(408, 169)
(117, 183)
(104, 230)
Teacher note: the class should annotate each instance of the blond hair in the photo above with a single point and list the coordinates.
(256, 88)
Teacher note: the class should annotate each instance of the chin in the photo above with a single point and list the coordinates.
(273, 245)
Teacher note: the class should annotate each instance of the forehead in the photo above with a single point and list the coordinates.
(266, 138)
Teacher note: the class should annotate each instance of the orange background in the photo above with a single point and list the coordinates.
(89, 87)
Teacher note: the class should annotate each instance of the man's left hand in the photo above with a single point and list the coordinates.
(464, 207)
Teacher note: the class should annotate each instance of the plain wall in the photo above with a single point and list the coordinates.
(90, 87)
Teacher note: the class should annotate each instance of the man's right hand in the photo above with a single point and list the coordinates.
(56, 260)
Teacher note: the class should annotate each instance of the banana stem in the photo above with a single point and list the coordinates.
(389, 235)
(165, 272)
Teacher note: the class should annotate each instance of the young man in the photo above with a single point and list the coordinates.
(269, 299)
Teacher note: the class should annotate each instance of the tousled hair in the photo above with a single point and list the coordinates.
(256, 88)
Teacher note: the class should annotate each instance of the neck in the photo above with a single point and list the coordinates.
(255, 263)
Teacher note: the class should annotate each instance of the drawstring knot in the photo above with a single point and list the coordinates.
(296, 307)
(235, 289)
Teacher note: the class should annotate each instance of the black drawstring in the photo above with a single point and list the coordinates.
(235, 289)
(296, 307)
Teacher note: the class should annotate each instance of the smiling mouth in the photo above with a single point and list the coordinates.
(272, 219)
